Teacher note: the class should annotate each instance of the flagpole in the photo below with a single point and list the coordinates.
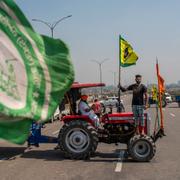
(160, 96)
(119, 90)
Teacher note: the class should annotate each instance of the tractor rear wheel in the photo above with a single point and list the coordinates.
(141, 148)
(78, 139)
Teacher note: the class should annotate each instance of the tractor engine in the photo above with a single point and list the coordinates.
(118, 132)
(120, 127)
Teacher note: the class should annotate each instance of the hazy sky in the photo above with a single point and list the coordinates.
(151, 26)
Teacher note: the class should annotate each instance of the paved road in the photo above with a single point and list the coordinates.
(16, 163)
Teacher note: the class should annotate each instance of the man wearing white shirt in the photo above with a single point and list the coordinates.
(85, 109)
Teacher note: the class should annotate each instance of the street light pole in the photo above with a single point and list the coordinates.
(53, 25)
(114, 80)
(100, 69)
(52, 32)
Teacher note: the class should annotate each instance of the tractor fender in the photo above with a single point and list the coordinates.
(69, 118)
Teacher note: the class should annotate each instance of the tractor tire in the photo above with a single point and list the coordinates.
(141, 148)
(78, 140)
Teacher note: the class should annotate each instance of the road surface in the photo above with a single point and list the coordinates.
(109, 163)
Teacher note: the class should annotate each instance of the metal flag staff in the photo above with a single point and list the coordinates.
(119, 90)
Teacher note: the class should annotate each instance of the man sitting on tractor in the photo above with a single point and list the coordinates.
(139, 103)
(85, 109)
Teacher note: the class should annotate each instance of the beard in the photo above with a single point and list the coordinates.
(138, 82)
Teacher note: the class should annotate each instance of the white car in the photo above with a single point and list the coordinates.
(111, 102)
(168, 97)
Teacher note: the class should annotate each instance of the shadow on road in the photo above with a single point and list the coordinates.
(103, 157)
(54, 155)
(111, 157)
(48, 155)
(9, 152)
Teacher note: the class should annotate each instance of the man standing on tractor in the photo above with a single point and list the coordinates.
(139, 101)
(85, 109)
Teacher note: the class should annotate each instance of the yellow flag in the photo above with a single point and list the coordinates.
(154, 93)
(127, 56)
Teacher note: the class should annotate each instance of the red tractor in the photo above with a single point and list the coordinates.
(78, 138)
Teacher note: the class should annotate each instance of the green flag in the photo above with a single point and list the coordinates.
(35, 72)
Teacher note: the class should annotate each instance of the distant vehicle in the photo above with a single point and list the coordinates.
(168, 97)
(177, 98)
(110, 102)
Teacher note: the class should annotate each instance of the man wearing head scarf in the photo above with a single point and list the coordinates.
(85, 109)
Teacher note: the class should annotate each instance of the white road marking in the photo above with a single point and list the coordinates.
(120, 162)
(173, 115)
(15, 157)
(55, 132)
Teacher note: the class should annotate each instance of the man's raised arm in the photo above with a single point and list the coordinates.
(123, 89)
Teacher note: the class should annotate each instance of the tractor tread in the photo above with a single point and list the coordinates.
(145, 138)
(92, 134)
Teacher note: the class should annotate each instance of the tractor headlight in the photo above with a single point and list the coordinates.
(126, 128)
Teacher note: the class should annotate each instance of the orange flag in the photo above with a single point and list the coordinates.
(161, 84)
(161, 90)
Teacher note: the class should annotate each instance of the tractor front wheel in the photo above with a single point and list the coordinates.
(78, 139)
(141, 148)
